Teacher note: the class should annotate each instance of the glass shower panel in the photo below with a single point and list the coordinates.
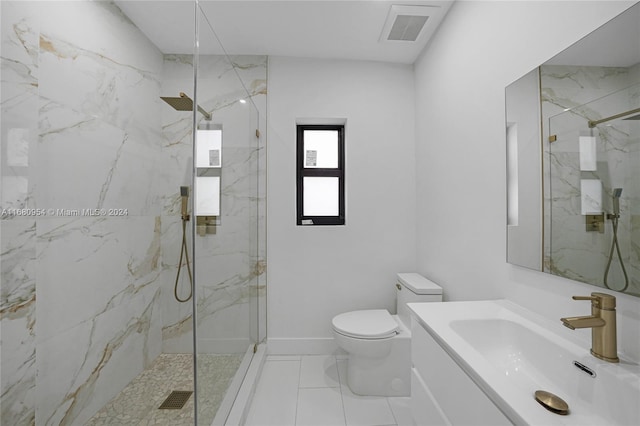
(589, 163)
(229, 261)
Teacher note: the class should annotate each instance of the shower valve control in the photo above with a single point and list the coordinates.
(206, 225)
(595, 223)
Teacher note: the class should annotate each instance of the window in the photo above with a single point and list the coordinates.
(320, 174)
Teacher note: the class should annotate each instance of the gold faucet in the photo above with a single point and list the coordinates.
(602, 322)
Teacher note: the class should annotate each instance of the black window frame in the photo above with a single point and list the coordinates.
(303, 172)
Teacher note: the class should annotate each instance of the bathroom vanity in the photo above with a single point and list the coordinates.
(481, 362)
(450, 397)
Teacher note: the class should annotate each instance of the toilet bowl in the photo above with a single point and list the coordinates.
(378, 343)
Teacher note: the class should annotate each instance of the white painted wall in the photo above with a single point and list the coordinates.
(480, 48)
(315, 273)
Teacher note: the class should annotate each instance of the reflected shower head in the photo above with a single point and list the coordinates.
(617, 192)
(184, 103)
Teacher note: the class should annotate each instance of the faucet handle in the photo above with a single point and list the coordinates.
(599, 300)
(592, 298)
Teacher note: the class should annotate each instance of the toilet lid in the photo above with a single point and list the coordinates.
(367, 324)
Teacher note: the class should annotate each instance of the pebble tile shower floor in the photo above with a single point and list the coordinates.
(137, 404)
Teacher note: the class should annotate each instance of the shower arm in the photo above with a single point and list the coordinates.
(207, 115)
(594, 123)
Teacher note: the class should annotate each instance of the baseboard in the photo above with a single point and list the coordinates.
(303, 346)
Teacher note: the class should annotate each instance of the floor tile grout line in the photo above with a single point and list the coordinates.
(343, 392)
(344, 410)
(318, 387)
(295, 419)
(391, 409)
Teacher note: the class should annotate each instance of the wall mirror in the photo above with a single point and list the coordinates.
(573, 160)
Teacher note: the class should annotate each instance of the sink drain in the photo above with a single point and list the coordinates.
(552, 402)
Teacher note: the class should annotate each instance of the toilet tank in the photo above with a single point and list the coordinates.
(412, 287)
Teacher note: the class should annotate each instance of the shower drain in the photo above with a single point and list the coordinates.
(175, 400)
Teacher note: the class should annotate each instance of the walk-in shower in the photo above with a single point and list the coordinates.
(109, 169)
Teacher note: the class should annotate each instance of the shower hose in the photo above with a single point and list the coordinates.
(614, 245)
(183, 254)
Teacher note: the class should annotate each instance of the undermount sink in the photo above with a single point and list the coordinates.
(510, 353)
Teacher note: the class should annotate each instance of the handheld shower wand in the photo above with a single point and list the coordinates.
(184, 193)
(184, 253)
(617, 193)
(615, 216)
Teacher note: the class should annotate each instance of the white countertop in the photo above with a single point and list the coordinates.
(510, 352)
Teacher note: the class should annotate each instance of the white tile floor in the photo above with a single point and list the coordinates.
(311, 390)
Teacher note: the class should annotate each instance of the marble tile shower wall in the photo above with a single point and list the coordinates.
(570, 251)
(230, 264)
(81, 130)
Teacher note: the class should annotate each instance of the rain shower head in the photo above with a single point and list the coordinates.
(184, 103)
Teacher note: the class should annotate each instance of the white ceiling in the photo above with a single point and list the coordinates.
(340, 29)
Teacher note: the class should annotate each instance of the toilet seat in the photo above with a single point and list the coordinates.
(366, 324)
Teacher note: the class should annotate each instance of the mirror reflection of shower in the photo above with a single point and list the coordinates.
(614, 217)
(184, 252)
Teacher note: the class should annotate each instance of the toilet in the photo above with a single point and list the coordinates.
(379, 344)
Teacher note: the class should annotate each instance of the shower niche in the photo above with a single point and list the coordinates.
(208, 178)
(573, 160)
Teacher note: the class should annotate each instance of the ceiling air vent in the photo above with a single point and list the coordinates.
(405, 23)
(407, 27)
